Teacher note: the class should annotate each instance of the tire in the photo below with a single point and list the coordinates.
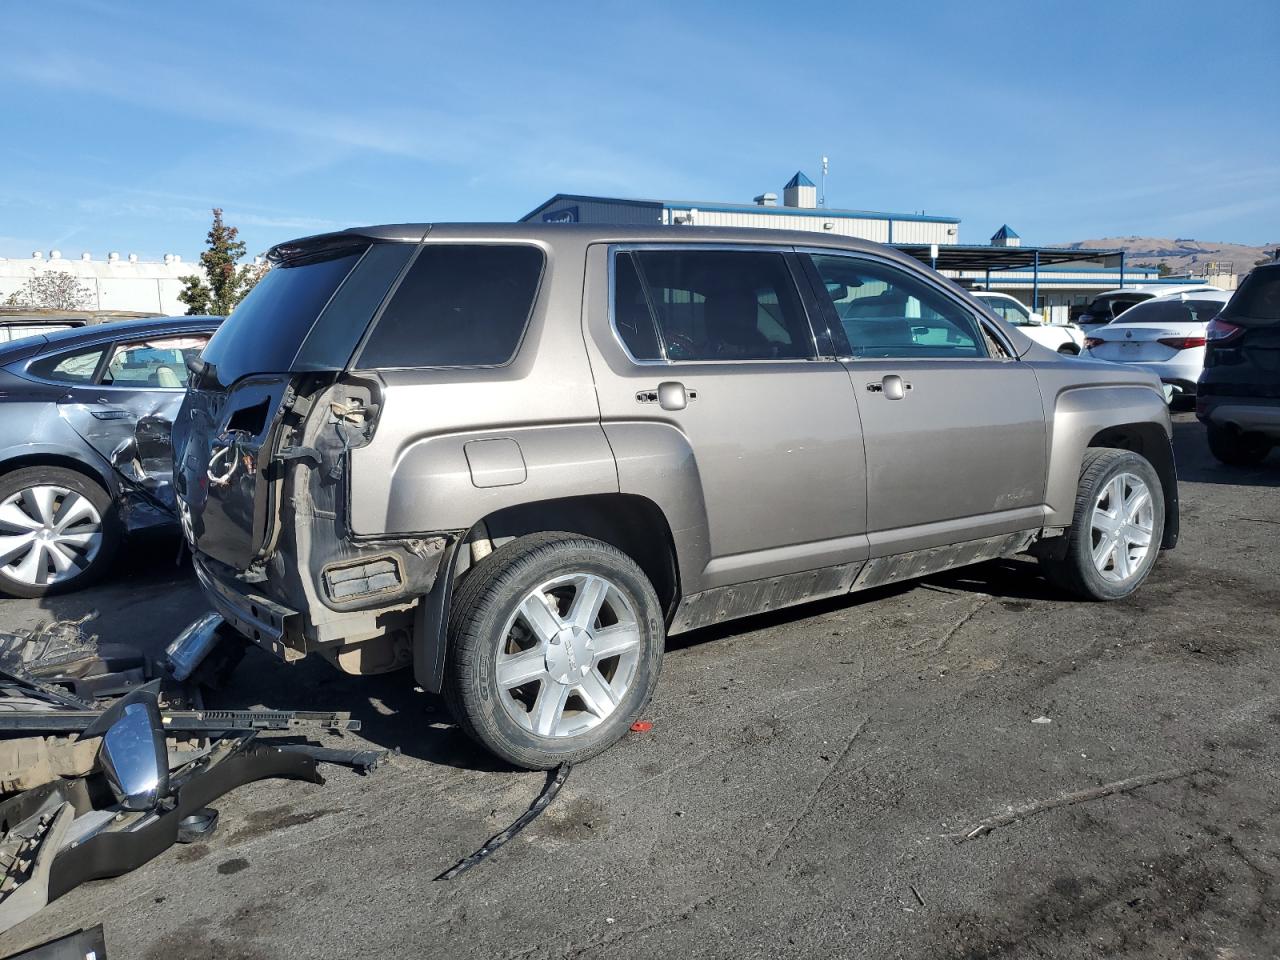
(58, 531)
(1069, 350)
(524, 680)
(1238, 449)
(1106, 476)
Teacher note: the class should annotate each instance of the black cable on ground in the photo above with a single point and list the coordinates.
(555, 780)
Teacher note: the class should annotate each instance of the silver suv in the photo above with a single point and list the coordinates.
(517, 457)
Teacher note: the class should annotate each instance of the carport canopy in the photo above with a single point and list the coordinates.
(992, 259)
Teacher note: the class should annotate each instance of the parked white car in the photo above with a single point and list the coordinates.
(1108, 305)
(1165, 335)
(1063, 337)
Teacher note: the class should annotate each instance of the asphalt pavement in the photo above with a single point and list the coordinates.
(805, 790)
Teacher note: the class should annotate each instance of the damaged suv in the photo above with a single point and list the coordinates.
(517, 457)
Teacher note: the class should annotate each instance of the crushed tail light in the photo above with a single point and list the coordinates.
(1183, 343)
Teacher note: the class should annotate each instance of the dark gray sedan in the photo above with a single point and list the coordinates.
(84, 445)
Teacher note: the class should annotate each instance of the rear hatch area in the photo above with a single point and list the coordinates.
(292, 336)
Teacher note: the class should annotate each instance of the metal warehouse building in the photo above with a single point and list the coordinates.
(1050, 279)
(799, 211)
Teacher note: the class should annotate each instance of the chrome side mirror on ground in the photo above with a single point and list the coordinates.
(133, 755)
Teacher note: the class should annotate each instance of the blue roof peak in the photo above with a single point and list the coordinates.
(1006, 233)
(799, 180)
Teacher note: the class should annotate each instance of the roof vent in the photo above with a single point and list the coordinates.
(800, 192)
(86, 256)
(1006, 237)
(37, 255)
(767, 200)
(55, 254)
(113, 256)
(133, 258)
(168, 258)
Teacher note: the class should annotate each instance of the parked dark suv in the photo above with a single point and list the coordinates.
(1238, 398)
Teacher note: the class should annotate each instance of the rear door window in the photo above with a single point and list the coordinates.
(711, 305)
(459, 305)
(159, 362)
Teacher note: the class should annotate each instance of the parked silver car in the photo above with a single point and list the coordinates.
(517, 457)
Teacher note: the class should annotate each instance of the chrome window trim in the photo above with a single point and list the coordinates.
(613, 249)
(991, 330)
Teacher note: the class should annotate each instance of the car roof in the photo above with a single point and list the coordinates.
(103, 332)
(578, 234)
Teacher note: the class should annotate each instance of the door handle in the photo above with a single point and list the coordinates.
(669, 395)
(892, 386)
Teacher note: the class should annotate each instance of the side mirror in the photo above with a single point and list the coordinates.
(133, 755)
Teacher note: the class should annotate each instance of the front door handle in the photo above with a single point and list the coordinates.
(892, 386)
(669, 395)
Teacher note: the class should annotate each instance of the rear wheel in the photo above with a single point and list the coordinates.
(555, 644)
(1119, 522)
(57, 531)
(1069, 349)
(1238, 449)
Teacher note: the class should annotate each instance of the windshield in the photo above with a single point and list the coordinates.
(1258, 297)
(1174, 311)
(264, 332)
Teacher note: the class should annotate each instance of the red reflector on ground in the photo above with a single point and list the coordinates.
(641, 726)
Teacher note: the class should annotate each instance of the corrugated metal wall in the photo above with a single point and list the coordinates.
(870, 228)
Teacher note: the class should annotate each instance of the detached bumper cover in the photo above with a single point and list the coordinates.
(263, 621)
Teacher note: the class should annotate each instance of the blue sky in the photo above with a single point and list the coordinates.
(125, 122)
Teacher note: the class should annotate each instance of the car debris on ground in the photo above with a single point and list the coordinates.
(108, 758)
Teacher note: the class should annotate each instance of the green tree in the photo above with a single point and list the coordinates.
(226, 280)
(1163, 269)
(52, 290)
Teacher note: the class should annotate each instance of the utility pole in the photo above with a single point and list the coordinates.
(822, 201)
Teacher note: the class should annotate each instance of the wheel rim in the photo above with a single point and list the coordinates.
(1121, 528)
(568, 655)
(48, 534)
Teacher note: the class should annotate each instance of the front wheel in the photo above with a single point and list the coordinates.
(555, 645)
(1119, 523)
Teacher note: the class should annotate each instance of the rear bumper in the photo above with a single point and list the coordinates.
(260, 620)
(1262, 416)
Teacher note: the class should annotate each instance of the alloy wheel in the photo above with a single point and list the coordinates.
(1121, 527)
(48, 534)
(568, 655)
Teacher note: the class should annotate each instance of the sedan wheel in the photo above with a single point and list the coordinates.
(55, 531)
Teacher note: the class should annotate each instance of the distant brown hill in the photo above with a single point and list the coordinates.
(1183, 255)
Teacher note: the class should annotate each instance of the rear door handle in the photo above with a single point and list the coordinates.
(669, 395)
(892, 386)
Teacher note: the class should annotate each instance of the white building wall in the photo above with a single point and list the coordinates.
(922, 231)
(142, 286)
(868, 229)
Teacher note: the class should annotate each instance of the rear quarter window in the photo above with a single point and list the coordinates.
(1258, 297)
(460, 305)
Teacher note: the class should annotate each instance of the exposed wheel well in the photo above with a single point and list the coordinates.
(54, 460)
(1150, 442)
(633, 524)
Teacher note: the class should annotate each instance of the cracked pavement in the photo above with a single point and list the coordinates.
(800, 790)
